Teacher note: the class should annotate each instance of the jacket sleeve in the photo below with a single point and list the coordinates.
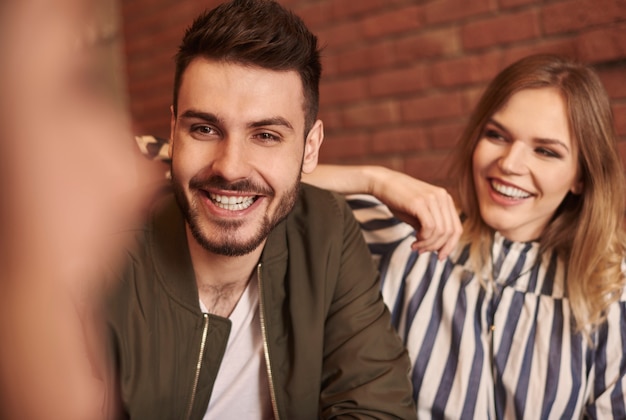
(366, 367)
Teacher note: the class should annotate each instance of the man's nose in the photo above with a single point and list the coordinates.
(230, 161)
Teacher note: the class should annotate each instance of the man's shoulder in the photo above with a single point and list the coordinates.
(320, 219)
(318, 202)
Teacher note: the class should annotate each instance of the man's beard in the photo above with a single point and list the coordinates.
(221, 242)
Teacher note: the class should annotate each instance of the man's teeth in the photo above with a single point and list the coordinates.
(509, 191)
(229, 202)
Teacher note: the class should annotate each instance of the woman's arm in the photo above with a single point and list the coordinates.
(428, 208)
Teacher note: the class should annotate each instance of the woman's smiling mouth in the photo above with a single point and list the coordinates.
(508, 190)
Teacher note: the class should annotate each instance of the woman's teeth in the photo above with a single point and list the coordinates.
(509, 191)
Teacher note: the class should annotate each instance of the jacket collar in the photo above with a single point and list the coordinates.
(167, 243)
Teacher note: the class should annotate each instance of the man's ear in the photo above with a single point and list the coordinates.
(312, 147)
(172, 125)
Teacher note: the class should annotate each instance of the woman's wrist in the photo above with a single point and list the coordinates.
(377, 178)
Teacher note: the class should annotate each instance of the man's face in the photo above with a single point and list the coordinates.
(238, 150)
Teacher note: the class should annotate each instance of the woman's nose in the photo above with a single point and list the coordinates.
(514, 159)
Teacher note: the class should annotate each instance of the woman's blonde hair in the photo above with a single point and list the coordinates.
(586, 229)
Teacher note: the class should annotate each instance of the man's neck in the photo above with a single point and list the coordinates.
(221, 280)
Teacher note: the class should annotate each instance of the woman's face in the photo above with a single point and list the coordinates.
(525, 163)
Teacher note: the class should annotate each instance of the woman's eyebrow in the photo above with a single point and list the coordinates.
(552, 142)
(542, 140)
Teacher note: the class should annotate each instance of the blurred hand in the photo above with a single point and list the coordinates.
(73, 182)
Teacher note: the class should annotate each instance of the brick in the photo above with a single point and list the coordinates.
(133, 7)
(466, 70)
(330, 65)
(445, 135)
(434, 43)
(430, 167)
(342, 91)
(505, 4)
(619, 114)
(314, 15)
(166, 39)
(471, 97)
(155, 18)
(337, 36)
(331, 118)
(349, 8)
(158, 83)
(156, 125)
(580, 14)
(347, 145)
(395, 21)
(563, 46)
(399, 81)
(400, 139)
(371, 114)
(500, 30)
(456, 10)
(156, 104)
(614, 80)
(371, 57)
(148, 66)
(432, 107)
(603, 44)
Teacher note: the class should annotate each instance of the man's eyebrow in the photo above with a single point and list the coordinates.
(198, 115)
(539, 139)
(214, 119)
(271, 121)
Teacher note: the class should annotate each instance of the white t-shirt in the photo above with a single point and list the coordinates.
(241, 389)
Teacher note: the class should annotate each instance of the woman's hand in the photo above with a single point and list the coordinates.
(428, 208)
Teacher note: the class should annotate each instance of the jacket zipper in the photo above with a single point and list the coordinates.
(205, 329)
(266, 347)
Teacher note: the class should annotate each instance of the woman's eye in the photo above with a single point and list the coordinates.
(494, 135)
(547, 152)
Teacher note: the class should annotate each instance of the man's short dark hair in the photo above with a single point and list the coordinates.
(258, 33)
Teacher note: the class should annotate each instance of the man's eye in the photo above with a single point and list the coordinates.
(267, 137)
(202, 129)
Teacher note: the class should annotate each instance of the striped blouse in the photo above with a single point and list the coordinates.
(503, 351)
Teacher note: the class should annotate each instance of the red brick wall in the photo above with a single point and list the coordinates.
(400, 76)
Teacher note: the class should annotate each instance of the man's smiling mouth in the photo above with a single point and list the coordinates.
(231, 202)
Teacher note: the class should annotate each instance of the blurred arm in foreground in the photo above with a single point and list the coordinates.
(71, 181)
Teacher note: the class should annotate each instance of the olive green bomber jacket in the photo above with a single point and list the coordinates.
(329, 345)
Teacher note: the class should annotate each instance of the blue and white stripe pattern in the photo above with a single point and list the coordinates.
(503, 351)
